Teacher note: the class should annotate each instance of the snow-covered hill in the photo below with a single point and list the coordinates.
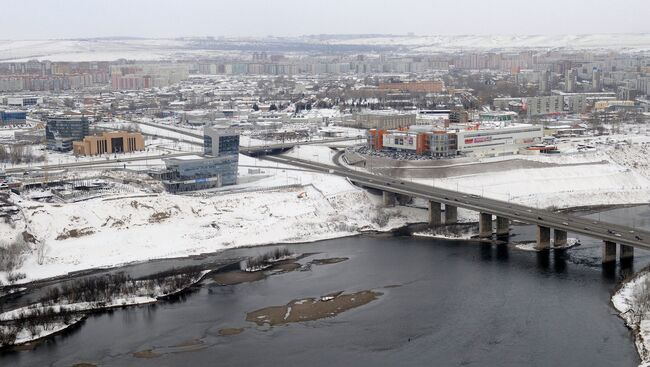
(111, 231)
(107, 49)
(637, 42)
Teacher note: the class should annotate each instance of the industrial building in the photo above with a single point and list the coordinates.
(109, 142)
(217, 167)
(62, 131)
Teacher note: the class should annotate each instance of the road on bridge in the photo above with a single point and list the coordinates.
(542, 217)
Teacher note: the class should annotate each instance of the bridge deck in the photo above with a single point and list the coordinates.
(567, 222)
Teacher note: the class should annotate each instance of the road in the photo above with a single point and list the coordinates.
(253, 149)
(567, 222)
(95, 162)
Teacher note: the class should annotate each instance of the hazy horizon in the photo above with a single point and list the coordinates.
(72, 19)
(369, 35)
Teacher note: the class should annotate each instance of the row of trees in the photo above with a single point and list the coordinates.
(104, 289)
(98, 290)
(11, 254)
(36, 321)
(18, 153)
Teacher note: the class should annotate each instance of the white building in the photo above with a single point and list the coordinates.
(575, 103)
(22, 101)
(539, 106)
(499, 141)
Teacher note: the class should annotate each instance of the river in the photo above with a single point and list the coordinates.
(443, 303)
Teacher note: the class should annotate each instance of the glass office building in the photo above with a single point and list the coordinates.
(61, 131)
(217, 167)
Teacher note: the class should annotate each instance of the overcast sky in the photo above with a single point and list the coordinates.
(47, 19)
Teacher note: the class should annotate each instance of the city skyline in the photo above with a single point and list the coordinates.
(41, 19)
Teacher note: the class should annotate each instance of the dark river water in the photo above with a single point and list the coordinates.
(458, 304)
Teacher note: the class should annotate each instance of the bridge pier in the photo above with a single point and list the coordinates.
(543, 238)
(435, 214)
(503, 226)
(560, 238)
(403, 199)
(485, 225)
(609, 252)
(389, 199)
(451, 214)
(626, 253)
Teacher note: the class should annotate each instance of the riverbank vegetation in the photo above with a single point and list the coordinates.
(11, 258)
(266, 260)
(632, 301)
(65, 304)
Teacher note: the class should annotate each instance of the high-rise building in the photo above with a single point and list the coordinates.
(544, 81)
(218, 167)
(570, 81)
(220, 140)
(543, 105)
(61, 131)
(597, 80)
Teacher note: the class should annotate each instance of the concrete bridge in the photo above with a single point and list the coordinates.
(257, 150)
(549, 224)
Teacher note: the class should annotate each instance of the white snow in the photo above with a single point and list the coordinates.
(531, 246)
(77, 307)
(168, 49)
(450, 236)
(25, 336)
(122, 230)
(555, 186)
(634, 308)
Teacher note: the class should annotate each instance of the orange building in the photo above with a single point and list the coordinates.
(434, 86)
(110, 142)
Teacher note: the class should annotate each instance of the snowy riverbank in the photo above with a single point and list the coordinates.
(107, 232)
(632, 301)
(39, 320)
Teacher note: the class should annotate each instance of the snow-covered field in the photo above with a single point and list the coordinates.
(106, 232)
(611, 174)
(559, 186)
